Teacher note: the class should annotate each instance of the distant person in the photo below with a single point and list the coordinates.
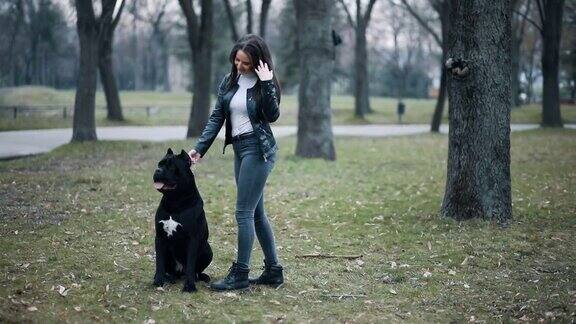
(400, 111)
(248, 99)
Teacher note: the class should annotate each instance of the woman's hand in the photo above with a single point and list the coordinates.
(263, 72)
(194, 156)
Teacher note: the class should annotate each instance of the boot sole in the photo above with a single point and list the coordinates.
(229, 289)
(273, 285)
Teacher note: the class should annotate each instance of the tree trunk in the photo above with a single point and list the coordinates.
(530, 78)
(200, 39)
(551, 30)
(361, 89)
(249, 24)
(478, 173)
(109, 81)
(443, 10)
(515, 86)
(265, 8)
(202, 89)
(315, 139)
(439, 109)
(518, 26)
(12, 59)
(84, 124)
(231, 20)
(134, 44)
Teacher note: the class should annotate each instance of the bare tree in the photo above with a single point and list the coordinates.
(249, 29)
(314, 38)
(199, 30)
(568, 56)
(136, 77)
(478, 172)
(550, 12)
(529, 63)
(519, 22)
(91, 30)
(108, 24)
(156, 15)
(84, 124)
(402, 58)
(361, 89)
(16, 11)
(264, 10)
(442, 8)
(231, 20)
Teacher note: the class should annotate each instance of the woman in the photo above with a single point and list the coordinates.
(247, 102)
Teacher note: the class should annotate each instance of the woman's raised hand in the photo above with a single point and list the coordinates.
(194, 156)
(264, 73)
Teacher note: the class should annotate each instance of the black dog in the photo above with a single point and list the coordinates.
(181, 228)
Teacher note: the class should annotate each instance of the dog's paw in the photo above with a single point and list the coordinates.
(158, 281)
(171, 278)
(189, 287)
(204, 277)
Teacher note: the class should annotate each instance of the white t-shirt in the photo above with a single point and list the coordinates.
(238, 111)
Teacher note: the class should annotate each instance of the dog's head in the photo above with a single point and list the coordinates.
(173, 174)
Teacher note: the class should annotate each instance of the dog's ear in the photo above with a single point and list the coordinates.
(186, 157)
(170, 151)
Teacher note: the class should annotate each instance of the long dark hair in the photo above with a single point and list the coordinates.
(257, 50)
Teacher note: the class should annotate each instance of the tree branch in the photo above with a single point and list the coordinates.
(230, 15)
(206, 23)
(422, 22)
(348, 15)
(541, 12)
(264, 16)
(192, 22)
(85, 12)
(249, 16)
(368, 13)
(118, 14)
(330, 256)
(526, 18)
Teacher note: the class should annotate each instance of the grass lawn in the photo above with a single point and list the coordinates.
(77, 236)
(173, 108)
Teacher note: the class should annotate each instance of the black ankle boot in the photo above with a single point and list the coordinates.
(237, 278)
(272, 275)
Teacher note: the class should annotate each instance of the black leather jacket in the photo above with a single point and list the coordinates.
(260, 114)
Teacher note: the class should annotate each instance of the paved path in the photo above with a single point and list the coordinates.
(21, 143)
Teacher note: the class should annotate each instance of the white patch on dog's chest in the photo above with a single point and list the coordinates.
(170, 226)
(179, 267)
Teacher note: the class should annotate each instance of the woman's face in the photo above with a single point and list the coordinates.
(242, 62)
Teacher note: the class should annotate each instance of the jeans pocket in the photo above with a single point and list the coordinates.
(271, 158)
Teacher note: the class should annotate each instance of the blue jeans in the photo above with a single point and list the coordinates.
(251, 172)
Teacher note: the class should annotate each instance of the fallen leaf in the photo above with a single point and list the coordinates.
(32, 308)
(62, 290)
